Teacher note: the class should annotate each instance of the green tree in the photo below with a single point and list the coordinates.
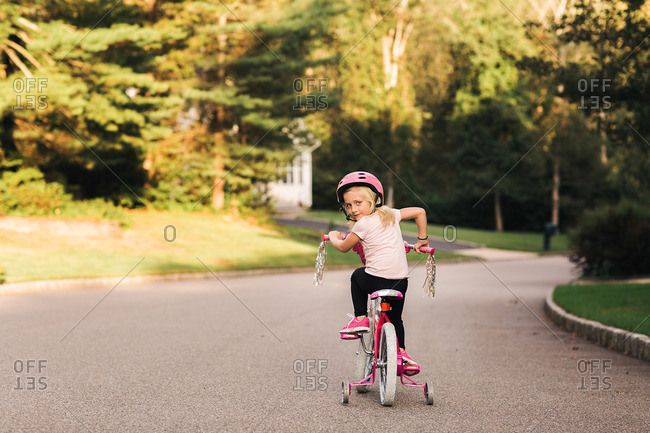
(489, 117)
(615, 81)
(15, 59)
(493, 90)
(152, 101)
(236, 71)
(101, 108)
(570, 153)
(377, 124)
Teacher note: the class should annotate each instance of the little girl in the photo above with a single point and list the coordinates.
(376, 226)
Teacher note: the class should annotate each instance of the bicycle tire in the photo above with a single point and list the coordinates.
(388, 362)
(428, 393)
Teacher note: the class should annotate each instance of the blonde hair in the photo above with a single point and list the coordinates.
(385, 213)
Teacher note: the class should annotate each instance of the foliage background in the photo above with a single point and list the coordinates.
(498, 116)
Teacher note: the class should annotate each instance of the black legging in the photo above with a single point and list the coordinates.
(363, 284)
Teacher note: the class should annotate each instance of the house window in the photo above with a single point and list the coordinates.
(289, 174)
(299, 162)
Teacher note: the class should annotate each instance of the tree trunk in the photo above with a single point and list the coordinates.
(394, 45)
(7, 143)
(218, 194)
(601, 134)
(388, 197)
(498, 219)
(555, 195)
(603, 154)
(148, 163)
(393, 48)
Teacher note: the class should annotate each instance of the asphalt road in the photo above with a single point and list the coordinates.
(262, 354)
(439, 245)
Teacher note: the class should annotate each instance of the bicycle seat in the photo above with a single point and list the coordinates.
(386, 293)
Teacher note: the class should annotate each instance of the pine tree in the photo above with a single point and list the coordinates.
(237, 68)
(102, 107)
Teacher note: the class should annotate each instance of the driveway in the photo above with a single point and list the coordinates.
(262, 354)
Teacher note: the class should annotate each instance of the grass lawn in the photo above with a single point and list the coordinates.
(518, 241)
(625, 306)
(221, 242)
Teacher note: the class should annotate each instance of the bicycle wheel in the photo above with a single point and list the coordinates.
(428, 393)
(387, 362)
(345, 392)
(364, 363)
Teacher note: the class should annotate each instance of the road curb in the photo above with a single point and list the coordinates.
(632, 344)
(76, 283)
(79, 283)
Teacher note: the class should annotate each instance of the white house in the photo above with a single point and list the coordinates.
(294, 188)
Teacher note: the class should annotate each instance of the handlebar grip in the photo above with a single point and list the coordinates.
(427, 250)
(325, 237)
(409, 247)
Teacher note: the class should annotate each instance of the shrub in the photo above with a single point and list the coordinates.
(25, 192)
(95, 209)
(612, 241)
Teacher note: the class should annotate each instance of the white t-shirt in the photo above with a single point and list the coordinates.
(382, 246)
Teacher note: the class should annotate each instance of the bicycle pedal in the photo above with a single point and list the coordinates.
(410, 370)
(349, 336)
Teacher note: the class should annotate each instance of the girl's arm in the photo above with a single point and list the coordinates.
(343, 245)
(420, 216)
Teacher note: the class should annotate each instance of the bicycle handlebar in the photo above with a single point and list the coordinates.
(408, 246)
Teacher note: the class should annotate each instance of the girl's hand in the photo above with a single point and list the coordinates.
(420, 244)
(343, 245)
(334, 235)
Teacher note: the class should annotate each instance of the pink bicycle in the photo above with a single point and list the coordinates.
(378, 349)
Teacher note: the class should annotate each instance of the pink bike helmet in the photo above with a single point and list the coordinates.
(360, 178)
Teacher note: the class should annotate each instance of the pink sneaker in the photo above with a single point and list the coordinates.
(356, 325)
(409, 366)
(407, 360)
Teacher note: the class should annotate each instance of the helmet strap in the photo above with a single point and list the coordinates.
(347, 217)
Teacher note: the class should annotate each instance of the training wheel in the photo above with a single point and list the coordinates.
(428, 393)
(345, 392)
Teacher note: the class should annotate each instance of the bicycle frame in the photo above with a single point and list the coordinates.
(378, 318)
